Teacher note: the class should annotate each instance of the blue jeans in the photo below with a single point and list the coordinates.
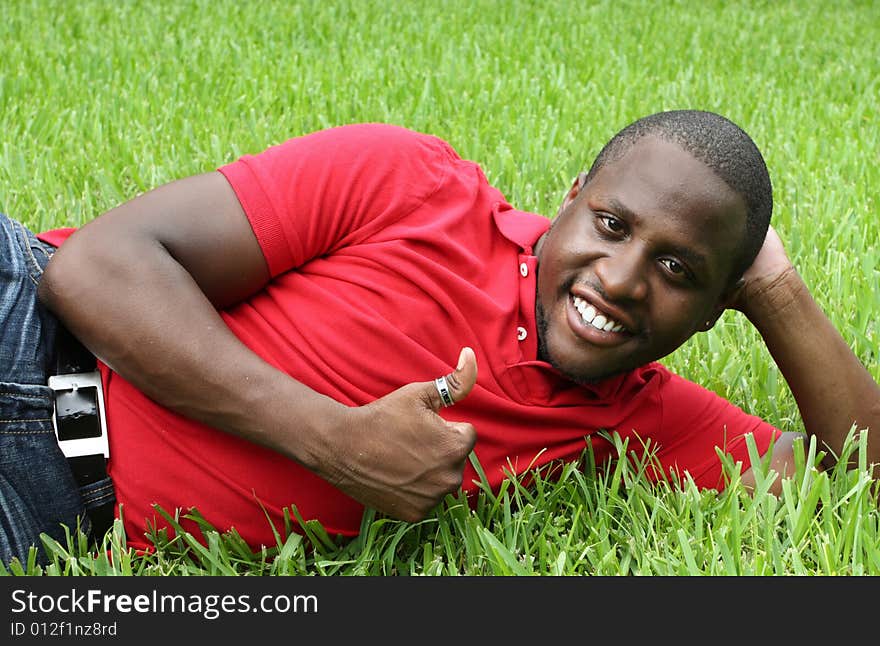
(38, 492)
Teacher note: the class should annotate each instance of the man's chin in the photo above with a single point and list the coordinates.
(579, 375)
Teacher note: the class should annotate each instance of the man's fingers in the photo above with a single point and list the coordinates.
(455, 386)
(468, 434)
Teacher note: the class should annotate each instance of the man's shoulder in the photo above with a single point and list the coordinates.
(374, 152)
(676, 390)
(388, 138)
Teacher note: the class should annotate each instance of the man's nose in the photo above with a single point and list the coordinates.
(623, 274)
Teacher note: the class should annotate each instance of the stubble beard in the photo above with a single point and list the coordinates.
(542, 325)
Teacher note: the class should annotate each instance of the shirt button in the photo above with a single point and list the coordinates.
(523, 269)
(521, 333)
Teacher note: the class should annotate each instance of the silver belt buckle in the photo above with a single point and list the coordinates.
(90, 382)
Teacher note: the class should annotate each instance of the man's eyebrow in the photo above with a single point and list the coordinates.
(693, 258)
(622, 208)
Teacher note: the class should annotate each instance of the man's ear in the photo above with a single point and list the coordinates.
(731, 294)
(709, 323)
(573, 192)
(724, 302)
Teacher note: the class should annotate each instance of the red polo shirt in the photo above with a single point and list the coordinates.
(388, 253)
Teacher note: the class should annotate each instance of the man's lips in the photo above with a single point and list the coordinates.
(592, 306)
(595, 317)
(593, 331)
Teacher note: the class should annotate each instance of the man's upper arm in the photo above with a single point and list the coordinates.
(201, 224)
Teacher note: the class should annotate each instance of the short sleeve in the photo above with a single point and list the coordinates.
(316, 193)
(694, 422)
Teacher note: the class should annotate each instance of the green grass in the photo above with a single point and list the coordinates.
(585, 521)
(100, 101)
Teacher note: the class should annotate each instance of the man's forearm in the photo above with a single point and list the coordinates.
(833, 390)
(142, 314)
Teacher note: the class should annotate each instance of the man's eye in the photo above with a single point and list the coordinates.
(674, 267)
(610, 223)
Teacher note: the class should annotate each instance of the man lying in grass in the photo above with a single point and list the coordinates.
(274, 333)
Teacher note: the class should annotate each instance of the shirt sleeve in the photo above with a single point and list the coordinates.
(316, 193)
(695, 422)
(56, 237)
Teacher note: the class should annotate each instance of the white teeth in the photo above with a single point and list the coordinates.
(592, 316)
(587, 311)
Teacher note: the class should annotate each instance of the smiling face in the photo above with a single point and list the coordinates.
(637, 261)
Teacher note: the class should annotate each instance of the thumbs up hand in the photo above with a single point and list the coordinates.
(398, 455)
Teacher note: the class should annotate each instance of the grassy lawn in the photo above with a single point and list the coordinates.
(100, 101)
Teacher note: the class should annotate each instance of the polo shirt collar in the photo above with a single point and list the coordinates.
(520, 227)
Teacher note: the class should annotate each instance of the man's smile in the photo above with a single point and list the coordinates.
(593, 324)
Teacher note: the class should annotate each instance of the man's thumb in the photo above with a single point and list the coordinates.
(455, 386)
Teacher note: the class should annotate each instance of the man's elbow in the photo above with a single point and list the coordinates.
(52, 283)
(76, 271)
(782, 462)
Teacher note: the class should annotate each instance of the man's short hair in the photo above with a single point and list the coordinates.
(725, 148)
